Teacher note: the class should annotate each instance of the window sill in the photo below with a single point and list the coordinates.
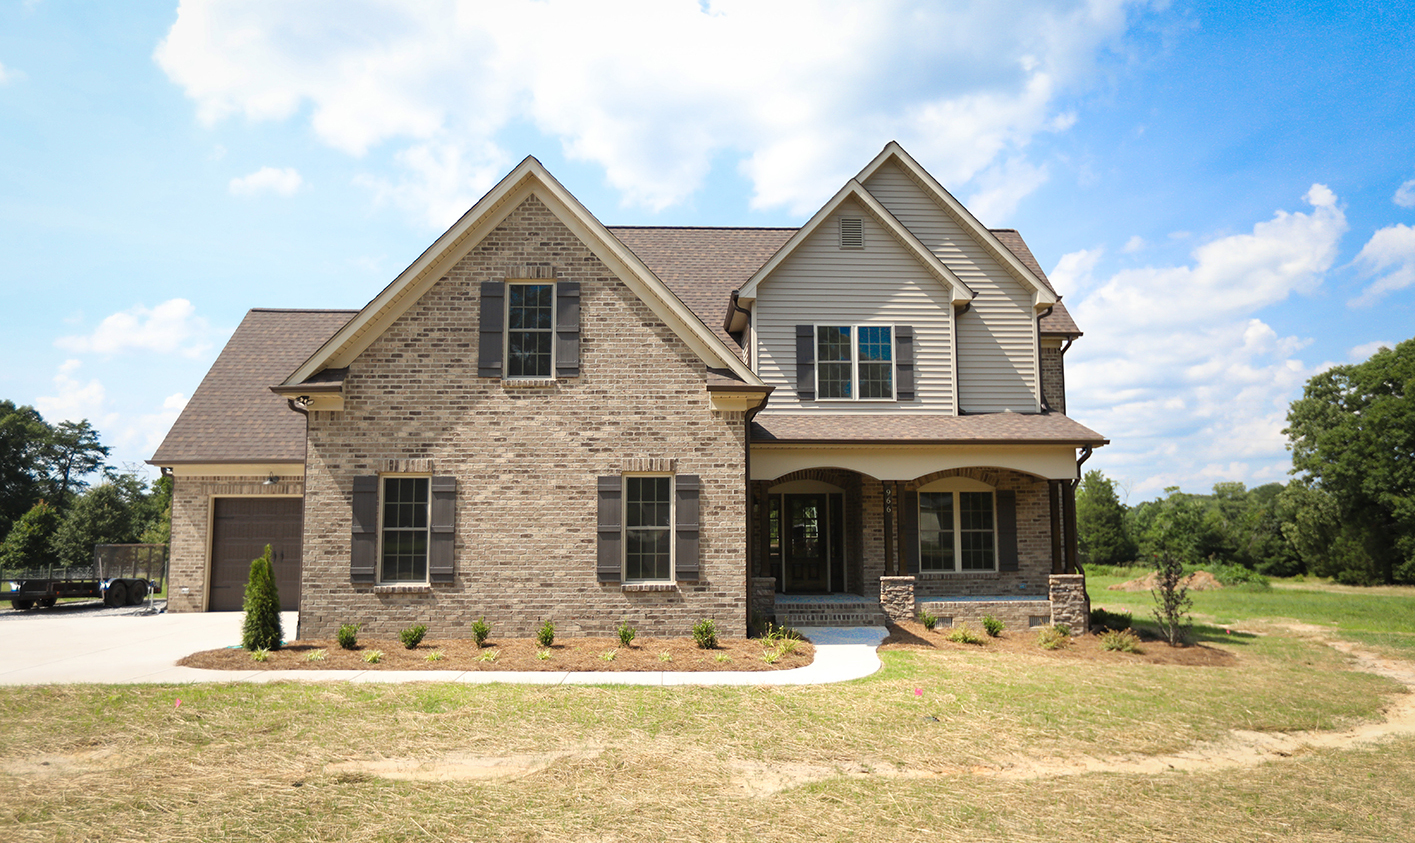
(403, 588)
(649, 586)
(529, 383)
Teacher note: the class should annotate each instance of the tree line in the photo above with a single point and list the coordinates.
(1347, 513)
(51, 509)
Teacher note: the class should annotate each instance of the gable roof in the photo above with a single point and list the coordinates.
(853, 189)
(529, 178)
(232, 417)
(1044, 294)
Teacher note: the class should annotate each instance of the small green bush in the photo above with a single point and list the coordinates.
(626, 634)
(316, 655)
(435, 656)
(260, 630)
(1100, 618)
(348, 636)
(609, 655)
(928, 619)
(491, 656)
(962, 634)
(993, 626)
(480, 630)
(782, 632)
(1120, 640)
(545, 636)
(260, 654)
(1053, 637)
(373, 656)
(665, 657)
(705, 634)
(722, 657)
(543, 655)
(413, 635)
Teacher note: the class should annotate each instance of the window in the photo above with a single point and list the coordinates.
(530, 330)
(855, 362)
(648, 528)
(404, 530)
(957, 531)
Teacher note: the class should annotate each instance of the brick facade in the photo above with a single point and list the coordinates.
(1053, 377)
(526, 458)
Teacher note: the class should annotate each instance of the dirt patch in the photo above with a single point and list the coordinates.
(1197, 581)
(523, 654)
(455, 767)
(912, 635)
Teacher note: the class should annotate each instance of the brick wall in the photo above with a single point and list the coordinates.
(526, 458)
(1053, 378)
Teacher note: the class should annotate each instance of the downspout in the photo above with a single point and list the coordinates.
(300, 406)
(751, 505)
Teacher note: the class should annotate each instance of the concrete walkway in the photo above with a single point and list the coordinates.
(129, 649)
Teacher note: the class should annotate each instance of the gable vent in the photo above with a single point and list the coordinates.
(852, 233)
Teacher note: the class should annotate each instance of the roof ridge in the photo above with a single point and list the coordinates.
(302, 310)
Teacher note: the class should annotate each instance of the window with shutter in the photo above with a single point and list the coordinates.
(854, 362)
(962, 528)
(529, 330)
(648, 528)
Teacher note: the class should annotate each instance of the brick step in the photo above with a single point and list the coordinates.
(850, 615)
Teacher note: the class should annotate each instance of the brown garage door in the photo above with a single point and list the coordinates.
(240, 530)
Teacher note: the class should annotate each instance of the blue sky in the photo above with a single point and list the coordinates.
(1224, 193)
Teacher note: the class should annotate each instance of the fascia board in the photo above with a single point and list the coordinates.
(892, 150)
(853, 189)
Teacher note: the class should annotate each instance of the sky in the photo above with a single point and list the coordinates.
(1224, 193)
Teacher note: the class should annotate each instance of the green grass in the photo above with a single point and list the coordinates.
(1380, 617)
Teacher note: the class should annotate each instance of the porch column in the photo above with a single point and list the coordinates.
(1069, 497)
(1054, 501)
(889, 502)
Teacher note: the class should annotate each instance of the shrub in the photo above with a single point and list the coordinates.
(1239, 577)
(490, 656)
(608, 655)
(543, 655)
(413, 635)
(373, 656)
(261, 627)
(545, 636)
(480, 630)
(962, 634)
(316, 655)
(1172, 601)
(993, 626)
(782, 632)
(626, 634)
(928, 619)
(1053, 637)
(665, 657)
(1120, 640)
(722, 657)
(705, 634)
(260, 654)
(434, 656)
(1100, 618)
(348, 636)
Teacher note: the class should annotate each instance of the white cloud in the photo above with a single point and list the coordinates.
(171, 327)
(1363, 352)
(1178, 368)
(267, 180)
(1405, 195)
(1001, 187)
(143, 434)
(74, 399)
(1390, 250)
(5, 75)
(652, 91)
(1133, 245)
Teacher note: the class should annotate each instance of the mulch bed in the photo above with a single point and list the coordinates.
(578, 654)
(912, 635)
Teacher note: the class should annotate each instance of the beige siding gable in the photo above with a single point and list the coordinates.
(997, 344)
(881, 284)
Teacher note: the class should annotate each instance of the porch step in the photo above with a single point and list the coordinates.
(828, 610)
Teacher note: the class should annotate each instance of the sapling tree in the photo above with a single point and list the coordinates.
(1172, 601)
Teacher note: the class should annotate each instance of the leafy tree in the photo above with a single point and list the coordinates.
(101, 516)
(1352, 436)
(261, 628)
(23, 439)
(1173, 524)
(1100, 523)
(27, 544)
(72, 452)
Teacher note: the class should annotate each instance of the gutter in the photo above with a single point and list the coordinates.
(733, 308)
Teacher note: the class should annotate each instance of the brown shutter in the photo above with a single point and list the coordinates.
(611, 537)
(567, 329)
(908, 504)
(442, 531)
(685, 528)
(904, 362)
(364, 546)
(493, 317)
(806, 362)
(1007, 531)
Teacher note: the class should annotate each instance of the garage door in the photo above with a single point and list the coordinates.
(240, 530)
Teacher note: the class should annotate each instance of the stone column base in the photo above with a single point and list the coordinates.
(1069, 603)
(896, 597)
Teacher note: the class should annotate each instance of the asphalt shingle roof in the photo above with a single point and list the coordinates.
(920, 429)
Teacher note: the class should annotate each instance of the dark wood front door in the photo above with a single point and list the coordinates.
(240, 530)
(807, 551)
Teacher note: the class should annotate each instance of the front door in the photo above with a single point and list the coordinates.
(807, 551)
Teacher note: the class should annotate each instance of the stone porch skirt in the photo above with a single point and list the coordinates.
(1016, 613)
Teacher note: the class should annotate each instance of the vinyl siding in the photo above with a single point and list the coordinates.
(882, 284)
(997, 357)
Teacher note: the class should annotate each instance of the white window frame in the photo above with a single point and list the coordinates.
(855, 362)
(426, 529)
(955, 486)
(672, 528)
(506, 331)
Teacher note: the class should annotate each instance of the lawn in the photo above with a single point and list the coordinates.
(939, 745)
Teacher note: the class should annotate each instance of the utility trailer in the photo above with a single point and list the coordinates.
(121, 574)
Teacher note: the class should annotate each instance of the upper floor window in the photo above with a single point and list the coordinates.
(855, 362)
(530, 330)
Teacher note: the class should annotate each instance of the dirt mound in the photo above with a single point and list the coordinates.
(1197, 581)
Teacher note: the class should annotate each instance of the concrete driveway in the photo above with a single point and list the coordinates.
(134, 648)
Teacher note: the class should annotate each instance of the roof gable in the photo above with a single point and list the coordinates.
(529, 178)
(1043, 295)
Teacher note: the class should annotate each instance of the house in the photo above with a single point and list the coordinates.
(545, 418)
